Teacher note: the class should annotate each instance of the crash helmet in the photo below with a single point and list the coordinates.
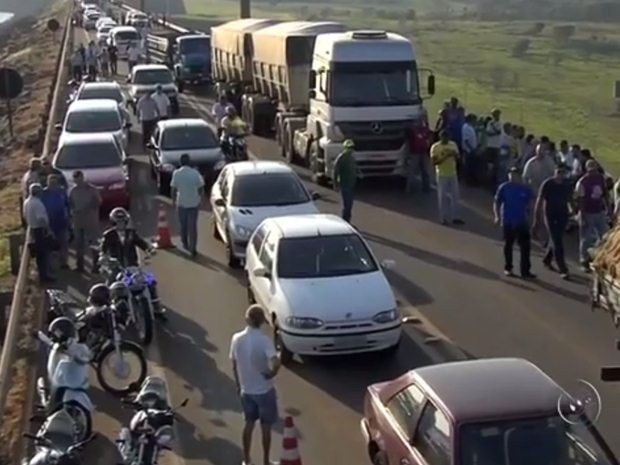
(120, 216)
(99, 295)
(62, 329)
(118, 290)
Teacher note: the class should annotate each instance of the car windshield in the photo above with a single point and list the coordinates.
(93, 121)
(104, 29)
(110, 93)
(263, 190)
(87, 156)
(188, 138)
(202, 45)
(126, 35)
(94, 15)
(152, 76)
(540, 441)
(324, 257)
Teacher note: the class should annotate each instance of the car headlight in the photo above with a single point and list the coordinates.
(117, 185)
(303, 323)
(164, 436)
(167, 167)
(242, 231)
(219, 165)
(386, 317)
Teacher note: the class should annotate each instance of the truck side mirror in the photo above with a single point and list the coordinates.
(430, 84)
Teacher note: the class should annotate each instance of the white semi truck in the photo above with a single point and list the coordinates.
(317, 85)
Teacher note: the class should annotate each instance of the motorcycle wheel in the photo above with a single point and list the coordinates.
(144, 322)
(82, 417)
(133, 382)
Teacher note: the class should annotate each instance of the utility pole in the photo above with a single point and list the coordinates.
(245, 9)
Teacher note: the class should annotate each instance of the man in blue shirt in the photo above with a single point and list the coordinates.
(512, 210)
(56, 203)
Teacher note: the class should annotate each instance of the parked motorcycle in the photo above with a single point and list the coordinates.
(150, 430)
(235, 147)
(65, 386)
(56, 441)
(100, 329)
(139, 301)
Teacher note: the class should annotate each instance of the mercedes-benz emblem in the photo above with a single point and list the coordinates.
(376, 128)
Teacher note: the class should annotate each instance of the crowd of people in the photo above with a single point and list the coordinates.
(102, 60)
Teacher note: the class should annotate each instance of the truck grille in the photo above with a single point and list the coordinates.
(373, 136)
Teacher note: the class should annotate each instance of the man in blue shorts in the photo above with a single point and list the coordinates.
(255, 364)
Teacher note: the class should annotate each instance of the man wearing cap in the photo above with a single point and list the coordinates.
(444, 155)
(553, 200)
(345, 177)
(592, 206)
(255, 364)
(512, 211)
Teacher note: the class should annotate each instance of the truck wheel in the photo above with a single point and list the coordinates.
(318, 169)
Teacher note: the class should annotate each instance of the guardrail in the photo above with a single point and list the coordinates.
(11, 339)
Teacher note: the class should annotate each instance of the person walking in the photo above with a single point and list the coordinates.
(469, 144)
(92, 59)
(162, 101)
(345, 177)
(538, 169)
(219, 112)
(255, 363)
(77, 65)
(507, 154)
(493, 145)
(104, 61)
(113, 55)
(511, 208)
(187, 191)
(133, 55)
(56, 204)
(84, 205)
(552, 203)
(148, 114)
(444, 155)
(592, 206)
(40, 238)
(419, 161)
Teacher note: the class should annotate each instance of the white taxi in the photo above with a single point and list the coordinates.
(323, 290)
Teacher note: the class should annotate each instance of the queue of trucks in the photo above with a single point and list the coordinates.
(315, 84)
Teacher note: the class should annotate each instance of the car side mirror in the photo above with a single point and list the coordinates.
(316, 196)
(150, 145)
(261, 272)
(128, 80)
(220, 202)
(388, 264)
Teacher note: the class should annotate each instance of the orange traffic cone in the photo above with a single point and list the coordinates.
(164, 241)
(290, 448)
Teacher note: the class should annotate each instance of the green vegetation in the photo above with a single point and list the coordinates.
(555, 78)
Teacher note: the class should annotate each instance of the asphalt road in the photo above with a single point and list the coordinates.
(451, 277)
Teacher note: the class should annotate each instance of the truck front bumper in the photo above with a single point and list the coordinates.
(371, 163)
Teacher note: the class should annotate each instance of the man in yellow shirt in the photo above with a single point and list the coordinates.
(444, 155)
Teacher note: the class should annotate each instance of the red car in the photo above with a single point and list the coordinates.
(500, 411)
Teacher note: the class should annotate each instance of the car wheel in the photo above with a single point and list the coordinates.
(233, 262)
(379, 458)
(285, 354)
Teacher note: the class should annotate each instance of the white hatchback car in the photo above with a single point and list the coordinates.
(323, 290)
(247, 192)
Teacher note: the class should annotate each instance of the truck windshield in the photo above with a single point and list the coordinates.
(374, 84)
(202, 46)
(538, 441)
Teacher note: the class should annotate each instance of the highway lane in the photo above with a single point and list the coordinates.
(453, 277)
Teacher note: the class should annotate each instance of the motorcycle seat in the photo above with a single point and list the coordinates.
(59, 430)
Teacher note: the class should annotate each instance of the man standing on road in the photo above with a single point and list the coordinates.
(219, 112)
(444, 155)
(37, 220)
(57, 205)
(419, 160)
(511, 208)
(345, 178)
(148, 114)
(47, 169)
(84, 204)
(469, 144)
(255, 364)
(553, 199)
(538, 169)
(77, 65)
(113, 55)
(493, 143)
(133, 55)
(162, 101)
(187, 192)
(92, 59)
(592, 207)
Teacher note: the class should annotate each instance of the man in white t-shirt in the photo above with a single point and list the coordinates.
(187, 190)
(133, 55)
(162, 101)
(494, 130)
(255, 364)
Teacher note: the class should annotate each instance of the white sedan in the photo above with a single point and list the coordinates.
(323, 289)
(247, 192)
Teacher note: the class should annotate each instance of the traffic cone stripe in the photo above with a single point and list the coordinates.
(290, 448)
(289, 443)
(290, 458)
(164, 241)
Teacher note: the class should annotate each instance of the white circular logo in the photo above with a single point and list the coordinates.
(581, 403)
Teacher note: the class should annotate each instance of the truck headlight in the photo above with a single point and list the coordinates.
(303, 322)
(386, 317)
(243, 232)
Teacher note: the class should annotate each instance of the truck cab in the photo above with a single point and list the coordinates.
(192, 58)
(364, 87)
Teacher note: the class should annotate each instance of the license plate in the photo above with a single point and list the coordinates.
(350, 342)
